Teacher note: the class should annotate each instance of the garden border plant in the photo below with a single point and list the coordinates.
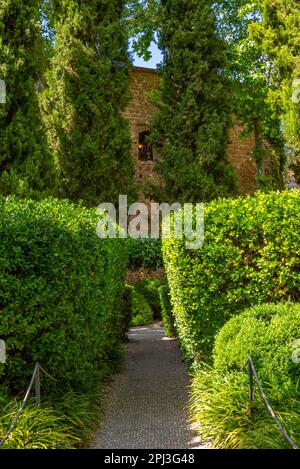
(250, 256)
(220, 407)
(60, 290)
(63, 304)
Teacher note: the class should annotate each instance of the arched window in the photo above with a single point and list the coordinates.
(145, 148)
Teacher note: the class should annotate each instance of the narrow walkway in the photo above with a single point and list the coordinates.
(145, 406)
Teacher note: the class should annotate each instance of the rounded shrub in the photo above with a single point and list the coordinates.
(149, 288)
(270, 334)
(141, 312)
(219, 405)
(250, 256)
(60, 290)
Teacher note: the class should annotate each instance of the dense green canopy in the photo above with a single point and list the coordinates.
(278, 34)
(83, 103)
(190, 131)
(65, 65)
(26, 165)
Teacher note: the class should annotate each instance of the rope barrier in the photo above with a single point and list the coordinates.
(253, 374)
(35, 379)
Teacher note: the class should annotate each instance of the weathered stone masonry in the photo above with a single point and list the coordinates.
(139, 114)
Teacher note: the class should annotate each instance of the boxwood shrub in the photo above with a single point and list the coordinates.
(150, 290)
(219, 404)
(60, 290)
(270, 334)
(141, 311)
(251, 255)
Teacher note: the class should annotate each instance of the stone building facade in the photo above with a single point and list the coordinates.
(139, 114)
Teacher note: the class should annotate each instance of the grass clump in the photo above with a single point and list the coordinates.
(220, 412)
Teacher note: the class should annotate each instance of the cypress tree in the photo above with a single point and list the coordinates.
(83, 104)
(278, 35)
(190, 132)
(26, 166)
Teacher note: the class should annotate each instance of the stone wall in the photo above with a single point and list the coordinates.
(240, 152)
(139, 114)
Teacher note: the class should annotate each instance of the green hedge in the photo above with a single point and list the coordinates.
(149, 288)
(141, 312)
(166, 311)
(145, 253)
(250, 256)
(220, 395)
(126, 307)
(60, 290)
(268, 333)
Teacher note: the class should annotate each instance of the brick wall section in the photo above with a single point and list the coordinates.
(139, 114)
(240, 152)
(142, 274)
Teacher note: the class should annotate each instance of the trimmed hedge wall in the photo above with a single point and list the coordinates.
(251, 255)
(166, 311)
(60, 291)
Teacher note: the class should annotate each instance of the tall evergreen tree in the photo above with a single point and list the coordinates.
(252, 74)
(190, 131)
(26, 166)
(278, 33)
(83, 104)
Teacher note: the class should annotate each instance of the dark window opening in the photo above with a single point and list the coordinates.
(145, 148)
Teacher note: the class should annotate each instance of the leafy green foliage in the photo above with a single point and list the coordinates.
(126, 307)
(60, 290)
(219, 403)
(145, 301)
(278, 36)
(63, 422)
(149, 288)
(141, 312)
(83, 104)
(26, 165)
(142, 23)
(251, 71)
(250, 256)
(190, 131)
(166, 311)
(266, 333)
(145, 253)
(37, 428)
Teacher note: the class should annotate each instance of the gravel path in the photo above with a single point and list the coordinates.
(144, 407)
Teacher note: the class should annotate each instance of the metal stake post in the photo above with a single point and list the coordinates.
(38, 386)
(251, 387)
